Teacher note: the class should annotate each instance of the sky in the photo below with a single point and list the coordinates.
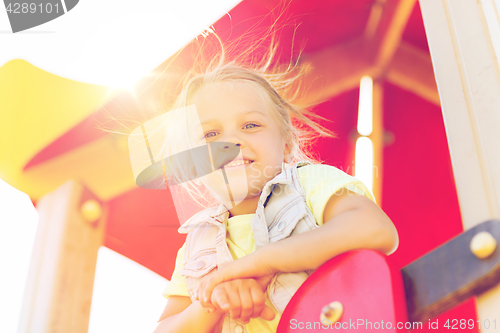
(122, 288)
(18, 221)
(97, 39)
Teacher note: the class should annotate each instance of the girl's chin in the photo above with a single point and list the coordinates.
(237, 195)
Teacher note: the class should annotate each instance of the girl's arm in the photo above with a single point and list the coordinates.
(351, 222)
(182, 315)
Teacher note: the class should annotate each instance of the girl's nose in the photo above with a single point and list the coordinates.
(227, 147)
(232, 144)
(234, 139)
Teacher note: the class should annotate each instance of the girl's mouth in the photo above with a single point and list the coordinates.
(237, 162)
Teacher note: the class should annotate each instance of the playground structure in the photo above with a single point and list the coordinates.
(436, 139)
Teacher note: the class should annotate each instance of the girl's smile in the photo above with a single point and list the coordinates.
(237, 162)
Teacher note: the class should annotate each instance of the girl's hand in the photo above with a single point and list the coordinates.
(245, 267)
(243, 299)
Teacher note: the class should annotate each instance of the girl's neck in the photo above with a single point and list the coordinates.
(247, 206)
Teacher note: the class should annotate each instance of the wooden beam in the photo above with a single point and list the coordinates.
(335, 70)
(387, 37)
(411, 69)
(58, 293)
(373, 21)
(378, 53)
(340, 68)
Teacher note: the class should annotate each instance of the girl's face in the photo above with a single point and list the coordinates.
(240, 114)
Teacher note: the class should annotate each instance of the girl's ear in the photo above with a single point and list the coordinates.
(287, 152)
(194, 175)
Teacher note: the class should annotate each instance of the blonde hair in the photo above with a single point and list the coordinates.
(298, 126)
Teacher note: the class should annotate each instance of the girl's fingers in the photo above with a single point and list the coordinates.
(220, 300)
(259, 301)
(233, 297)
(267, 313)
(247, 305)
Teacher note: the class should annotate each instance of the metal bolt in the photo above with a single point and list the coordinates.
(483, 244)
(91, 210)
(331, 312)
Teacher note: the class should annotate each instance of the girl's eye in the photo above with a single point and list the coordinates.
(210, 135)
(214, 134)
(251, 125)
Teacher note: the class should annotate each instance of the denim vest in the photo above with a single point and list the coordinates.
(278, 216)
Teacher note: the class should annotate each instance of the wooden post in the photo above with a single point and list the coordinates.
(463, 38)
(58, 293)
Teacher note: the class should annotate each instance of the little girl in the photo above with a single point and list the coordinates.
(286, 216)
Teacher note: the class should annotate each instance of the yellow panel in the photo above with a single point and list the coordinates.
(36, 107)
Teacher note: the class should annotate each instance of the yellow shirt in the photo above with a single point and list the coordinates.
(320, 182)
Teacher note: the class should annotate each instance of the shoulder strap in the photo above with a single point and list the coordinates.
(303, 163)
(296, 165)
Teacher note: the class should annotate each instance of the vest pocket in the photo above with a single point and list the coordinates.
(286, 223)
(200, 264)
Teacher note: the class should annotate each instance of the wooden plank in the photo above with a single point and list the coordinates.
(58, 295)
(454, 94)
(450, 274)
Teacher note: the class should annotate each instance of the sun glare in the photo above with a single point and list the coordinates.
(365, 111)
(363, 169)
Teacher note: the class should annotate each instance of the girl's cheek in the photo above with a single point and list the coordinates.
(255, 187)
(211, 181)
(216, 185)
(255, 171)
